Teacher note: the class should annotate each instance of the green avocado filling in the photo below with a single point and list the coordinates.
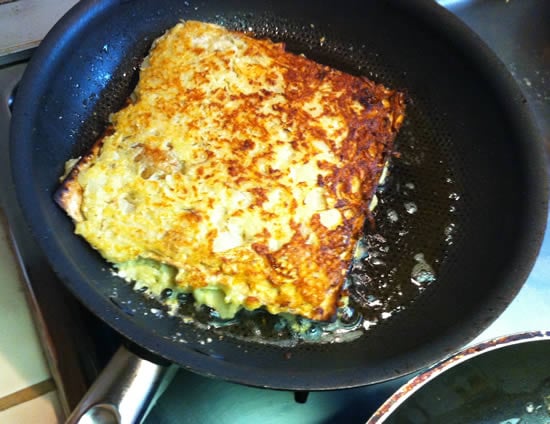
(215, 298)
(157, 277)
(148, 273)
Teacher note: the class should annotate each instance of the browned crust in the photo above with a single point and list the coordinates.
(362, 153)
(69, 194)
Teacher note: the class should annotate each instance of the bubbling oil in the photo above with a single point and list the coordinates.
(395, 261)
(405, 240)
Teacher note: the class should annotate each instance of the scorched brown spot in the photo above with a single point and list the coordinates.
(260, 195)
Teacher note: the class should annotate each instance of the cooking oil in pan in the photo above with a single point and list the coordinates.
(412, 227)
(397, 258)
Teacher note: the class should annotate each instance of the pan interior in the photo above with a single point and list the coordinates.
(420, 201)
(449, 217)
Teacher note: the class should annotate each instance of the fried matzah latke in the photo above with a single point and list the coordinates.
(247, 168)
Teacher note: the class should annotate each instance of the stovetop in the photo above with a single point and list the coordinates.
(78, 345)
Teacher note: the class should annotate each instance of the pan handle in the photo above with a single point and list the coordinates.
(124, 392)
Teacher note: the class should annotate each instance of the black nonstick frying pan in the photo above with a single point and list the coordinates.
(467, 196)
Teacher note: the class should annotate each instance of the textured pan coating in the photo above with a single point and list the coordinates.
(248, 169)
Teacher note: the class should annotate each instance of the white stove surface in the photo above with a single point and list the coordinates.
(24, 23)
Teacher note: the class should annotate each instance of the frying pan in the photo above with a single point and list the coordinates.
(469, 189)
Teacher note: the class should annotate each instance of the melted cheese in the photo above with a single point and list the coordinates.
(247, 169)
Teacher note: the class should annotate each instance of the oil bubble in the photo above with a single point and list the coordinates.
(373, 301)
(422, 273)
(449, 229)
(156, 312)
(529, 407)
(368, 324)
(411, 207)
(393, 216)
(377, 262)
(449, 232)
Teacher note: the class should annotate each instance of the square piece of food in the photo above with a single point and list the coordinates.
(244, 169)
